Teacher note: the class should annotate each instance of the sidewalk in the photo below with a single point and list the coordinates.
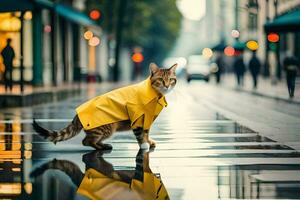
(264, 88)
(36, 95)
(44, 94)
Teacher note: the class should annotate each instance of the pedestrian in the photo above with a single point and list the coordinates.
(254, 67)
(291, 67)
(239, 67)
(8, 55)
(221, 66)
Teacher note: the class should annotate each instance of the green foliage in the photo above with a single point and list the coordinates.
(151, 24)
(108, 9)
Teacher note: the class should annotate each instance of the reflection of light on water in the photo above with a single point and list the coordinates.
(15, 159)
(16, 169)
(192, 9)
(28, 188)
(10, 188)
(186, 162)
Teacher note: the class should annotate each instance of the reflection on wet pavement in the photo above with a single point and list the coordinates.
(199, 152)
(102, 181)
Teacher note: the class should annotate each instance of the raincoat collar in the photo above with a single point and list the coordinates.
(148, 93)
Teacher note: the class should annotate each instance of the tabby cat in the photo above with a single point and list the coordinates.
(103, 115)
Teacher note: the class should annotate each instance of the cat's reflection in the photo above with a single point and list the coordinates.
(102, 181)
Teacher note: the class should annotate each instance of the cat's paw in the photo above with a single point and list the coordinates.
(152, 143)
(145, 146)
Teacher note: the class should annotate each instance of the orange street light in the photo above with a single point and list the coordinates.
(137, 57)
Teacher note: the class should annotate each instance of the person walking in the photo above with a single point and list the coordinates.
(221, 66)
(291, 67)
(8, 55)
(254, 67)
(239, 67)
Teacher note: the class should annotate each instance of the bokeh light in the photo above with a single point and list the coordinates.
(94, 41)
(235, 33)
(47, 28)
(88, 35)
(137, 57)
(229, 51)
(273, 37)
(28, 15)
(252, 45)
(10, 24)
(95, 14)
(207, 53)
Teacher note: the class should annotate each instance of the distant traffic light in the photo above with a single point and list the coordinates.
(273, 37)
(137, 57)
(252, 45)
(95, 14)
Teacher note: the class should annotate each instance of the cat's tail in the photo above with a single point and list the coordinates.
(68, 167)
(64, 134)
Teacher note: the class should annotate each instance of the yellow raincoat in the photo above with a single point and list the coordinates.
(127, 103)
(97, 186)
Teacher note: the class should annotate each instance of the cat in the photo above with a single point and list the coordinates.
(133, 107)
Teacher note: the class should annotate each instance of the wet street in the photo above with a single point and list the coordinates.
(201, 153)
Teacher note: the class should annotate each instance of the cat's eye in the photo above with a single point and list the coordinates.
(173, 79)
(160, 79)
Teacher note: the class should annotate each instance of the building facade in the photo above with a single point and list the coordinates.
(48, 39)
(252, 16)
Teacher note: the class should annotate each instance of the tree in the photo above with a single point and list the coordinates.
(154, 25)
(151, 24)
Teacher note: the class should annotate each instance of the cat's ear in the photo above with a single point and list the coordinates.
(153, 68)
(173, 68)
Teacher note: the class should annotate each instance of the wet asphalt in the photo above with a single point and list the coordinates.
(200, 154)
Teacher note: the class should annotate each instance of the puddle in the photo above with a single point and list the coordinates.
(99, 180)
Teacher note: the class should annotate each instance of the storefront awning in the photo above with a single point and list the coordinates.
(73, 15)
(67, 12)
(14, 5)
(289, 22)
(62, 10)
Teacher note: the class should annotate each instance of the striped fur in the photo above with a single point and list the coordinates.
(64, 134)
(162, 80)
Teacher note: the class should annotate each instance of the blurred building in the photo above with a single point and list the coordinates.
(252, 15)
(238, 21)
(48, 38)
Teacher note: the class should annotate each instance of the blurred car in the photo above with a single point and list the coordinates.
(198, 68)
